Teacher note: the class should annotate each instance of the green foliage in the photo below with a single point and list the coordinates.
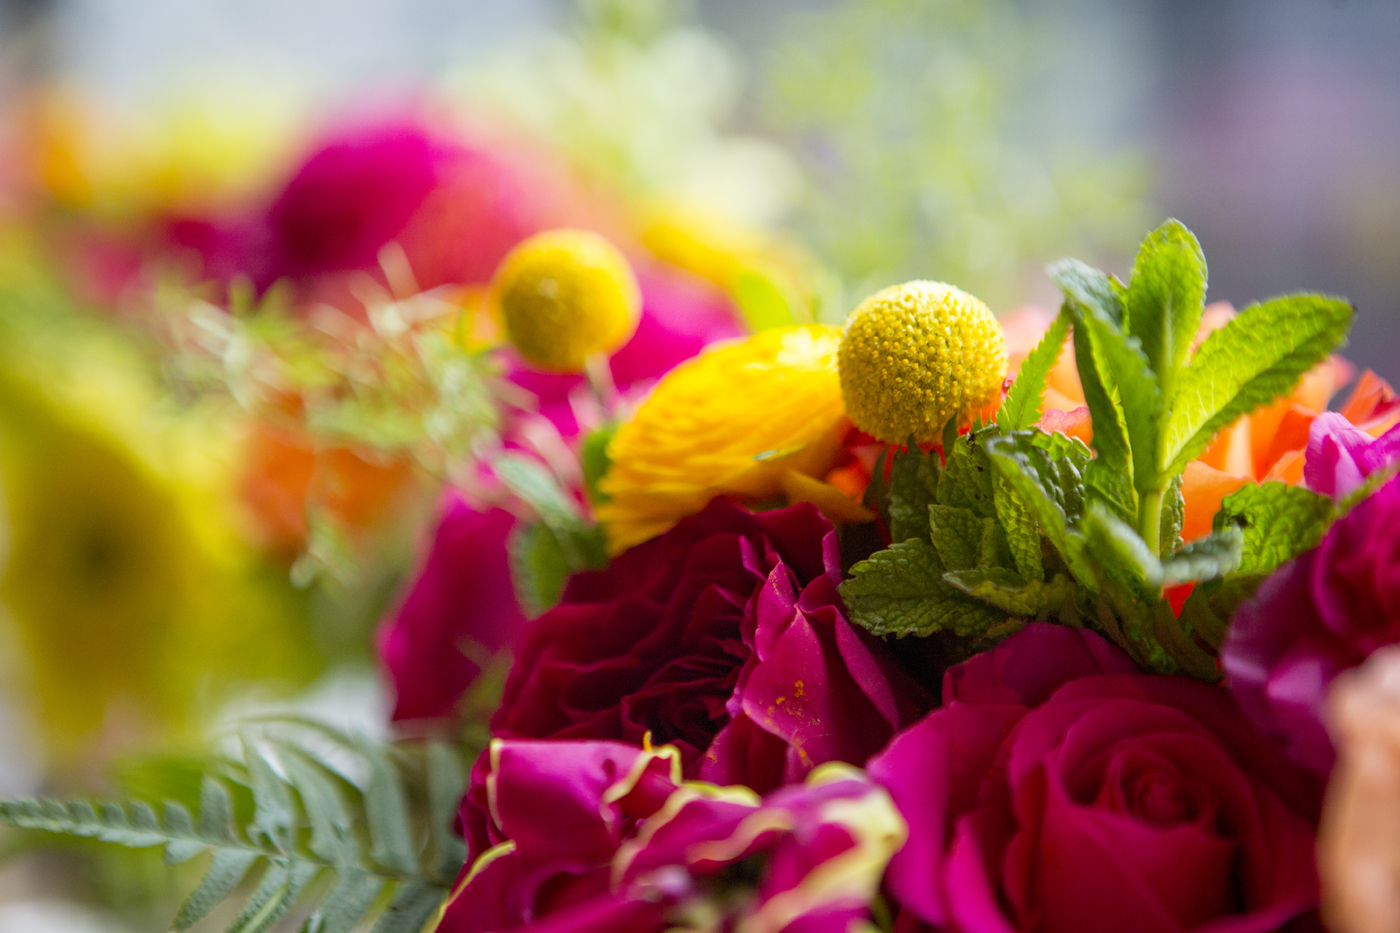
(333, 835)
(1276, 522)
(1021, 407)
(901, 591)
(594, 459)
(1034, 525)
(561, 542)
(1251, 361)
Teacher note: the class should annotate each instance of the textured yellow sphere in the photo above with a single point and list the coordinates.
(917, 354)
(565, 295)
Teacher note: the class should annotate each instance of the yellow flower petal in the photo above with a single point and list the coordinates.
(734, 421)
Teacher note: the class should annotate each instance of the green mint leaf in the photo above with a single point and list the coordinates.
(1049, 484)
(1206, 558)
(1119, 553)
(1088, 288)
(1024, 400)
(593, 457)
(1251, 361)
(913, 486)
(1207, 612)
(1182, 647)
(993, 550)
(1009, 591)
(1112, 487)
(538, 567)
(1165, 299)
(956, 534)
(901, 591)
(1139, 399)
(1022, 533)
(966, 481)
(1100, 394)
(1278, 522)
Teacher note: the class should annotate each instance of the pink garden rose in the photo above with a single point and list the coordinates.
(724, 637)
(1057, 789)
(1340, 456)
(1318, 615)
(602, 837)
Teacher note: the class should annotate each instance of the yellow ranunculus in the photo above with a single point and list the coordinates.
(759, 418)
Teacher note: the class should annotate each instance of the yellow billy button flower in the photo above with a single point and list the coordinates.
(759, 419)
(565, 295)
(917, 354)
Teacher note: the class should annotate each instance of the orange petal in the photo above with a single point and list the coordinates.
(800, 487)
(1290, 434)
(1230, 451)
(1203, 488)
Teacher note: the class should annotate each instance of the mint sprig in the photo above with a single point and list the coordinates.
(1033, 525)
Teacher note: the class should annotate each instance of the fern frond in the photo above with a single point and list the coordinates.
(317, 839)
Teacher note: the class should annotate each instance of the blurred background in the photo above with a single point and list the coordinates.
(175, 190)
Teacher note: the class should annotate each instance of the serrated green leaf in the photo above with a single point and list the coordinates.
(1112, 487)
(1009, 591)
(993, 549)
(78, 819)
(966, 480)
(1088, 288)
(539, 567)
(1278, 522)
(177, 822)
(332, 829)
(447, 781)
(1087, 292)
(227, 868)
(1251, 361)
(215, 821)
(1120, 554)
(901, 591)
(956, 535)
(352, 896)
(1165, 299)
(1210, 607)
(278, 891)
(1049, 483)
(1181, 647)
(1206, 558)
(914, 479)
(1024, 400)
(1022, 533)
(273, 816)
(413, 906)
(1139, 399)
(387, 814)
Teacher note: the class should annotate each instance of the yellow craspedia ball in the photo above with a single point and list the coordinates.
(917, 354)
(564, 295)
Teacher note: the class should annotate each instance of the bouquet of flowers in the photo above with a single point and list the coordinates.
(842, 628)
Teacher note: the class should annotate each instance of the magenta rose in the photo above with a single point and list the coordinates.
(1340, 456)
(1318, 615)
(1057, 789)
(460, 612)
(725, 637)
(601, 837)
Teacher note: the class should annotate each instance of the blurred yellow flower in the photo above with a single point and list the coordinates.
(127, 599)
(202, 152)
(758, 419)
